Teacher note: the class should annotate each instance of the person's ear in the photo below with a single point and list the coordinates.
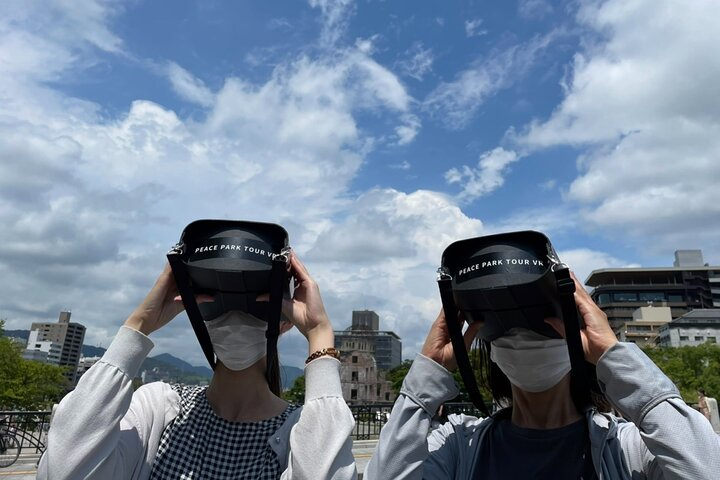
(285, 326)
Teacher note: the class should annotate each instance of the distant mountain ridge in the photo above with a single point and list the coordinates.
(178, 369)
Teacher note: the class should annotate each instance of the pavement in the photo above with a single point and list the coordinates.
(25, 467)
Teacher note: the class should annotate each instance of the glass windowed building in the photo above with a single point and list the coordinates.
(688, 285)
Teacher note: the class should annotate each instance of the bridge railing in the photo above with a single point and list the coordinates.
(370, 418)
(30, 429)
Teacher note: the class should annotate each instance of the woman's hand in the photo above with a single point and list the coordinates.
(597, 336)
(161, 305)
(306, 310)
(438, 346)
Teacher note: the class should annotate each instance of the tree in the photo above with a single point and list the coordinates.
(690, 368)
(397, 374)
(26, 384)
(297, 393)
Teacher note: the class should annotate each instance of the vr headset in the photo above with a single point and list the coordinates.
(510, 280)
(234, 262)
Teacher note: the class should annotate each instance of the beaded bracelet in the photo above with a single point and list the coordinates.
(330, 351)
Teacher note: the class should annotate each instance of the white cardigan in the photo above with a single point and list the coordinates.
(102, 430)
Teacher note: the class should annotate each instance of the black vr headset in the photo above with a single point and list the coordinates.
(510, 280)
(234, 262)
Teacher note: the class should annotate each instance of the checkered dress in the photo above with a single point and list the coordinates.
(199, 445)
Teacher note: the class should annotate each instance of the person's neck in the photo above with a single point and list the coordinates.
(552, 408)
(244, 395)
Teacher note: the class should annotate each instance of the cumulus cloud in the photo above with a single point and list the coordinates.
(456, 102)
(486, 177)
(393, 241)
(92, 201)
(533, 9)
(642, 100)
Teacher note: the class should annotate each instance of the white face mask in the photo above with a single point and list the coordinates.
(532, 362)
(238, 339)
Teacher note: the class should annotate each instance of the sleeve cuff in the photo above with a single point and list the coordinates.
(632, 382)
(322, 378)
(429, 384)
(128, 350)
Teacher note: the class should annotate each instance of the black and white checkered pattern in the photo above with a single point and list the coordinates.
(199, 445)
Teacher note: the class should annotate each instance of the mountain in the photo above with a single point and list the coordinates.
(177, 370)
(182, 365)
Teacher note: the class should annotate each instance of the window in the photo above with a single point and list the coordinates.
(625, 297)
(712, 339)
(353, 394)
(354, 376)
(603, 298)
(683, 337)
(354, 359)
(674, 298)
(652, 297)
(699, 338)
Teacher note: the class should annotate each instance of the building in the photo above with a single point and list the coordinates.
(693, 328)
(69, 335)
(644, 329)
(42, 351)
(365, 335)
(689, 284)
(362, 382)
(84, 365)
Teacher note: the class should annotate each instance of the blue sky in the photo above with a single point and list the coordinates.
(376, 132)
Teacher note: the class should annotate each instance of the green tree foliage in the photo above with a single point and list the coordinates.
(690, 368)
(25, 384)
(297, 393)
(397, 375)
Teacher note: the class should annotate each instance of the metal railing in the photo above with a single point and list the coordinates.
(30, 429)
(370, 418)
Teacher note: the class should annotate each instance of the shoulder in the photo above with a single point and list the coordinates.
(159, 398)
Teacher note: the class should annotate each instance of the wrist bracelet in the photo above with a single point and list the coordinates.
(330, 351)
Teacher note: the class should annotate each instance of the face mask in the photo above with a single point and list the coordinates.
(238, 339)
(532, 362)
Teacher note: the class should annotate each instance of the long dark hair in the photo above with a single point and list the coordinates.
(273, 376)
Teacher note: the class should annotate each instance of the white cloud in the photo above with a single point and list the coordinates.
(91, 202)
(407, 132)
(417, 62)
(486, 178)
(457, 102)
(534, 9)
(642, 99)
(472, 28)
(189, 87)
(583, 261)
(336, 15)
(385, 253)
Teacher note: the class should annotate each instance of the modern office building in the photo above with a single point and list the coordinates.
(645, 326)
(689, 284)
(69, 335)
(365, 335)
(692, 329)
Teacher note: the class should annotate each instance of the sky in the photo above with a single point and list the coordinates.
(376, 132)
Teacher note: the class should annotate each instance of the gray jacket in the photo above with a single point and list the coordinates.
(102, 430)
(665, 438)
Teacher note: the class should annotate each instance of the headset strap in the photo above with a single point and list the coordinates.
(278, 275)
(182, 280)
(579, 382)
(456, 336)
